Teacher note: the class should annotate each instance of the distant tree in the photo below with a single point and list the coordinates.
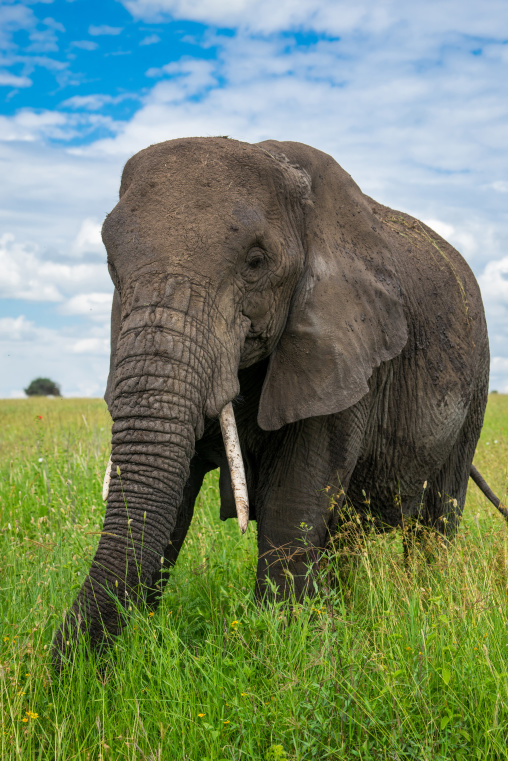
(43, 387)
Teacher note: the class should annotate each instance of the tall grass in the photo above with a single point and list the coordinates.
(392, 665)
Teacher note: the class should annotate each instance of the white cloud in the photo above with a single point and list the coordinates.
(29, 125)
(494, 284)
(331, 17)
(88, 239)
(47, 193)
(471, 236)
(97, 31)
(399, 100)
(494, 287)
(501, 186)
(96, 346)
(17, 394)
(11, 80)
(499, 374)
(43, 39)
(26, 276)
(12, 19)
(97, 306)
(152, 39)
(17, 329)
(87, 102)
(191, 76)
(29, 351)
(97, 101)
(84, 44)
(442, 228)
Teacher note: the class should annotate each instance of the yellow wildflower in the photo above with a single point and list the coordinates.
(227, 721)
(151, 613)
(201, 715)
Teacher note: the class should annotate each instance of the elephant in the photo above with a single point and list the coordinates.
(341, 347)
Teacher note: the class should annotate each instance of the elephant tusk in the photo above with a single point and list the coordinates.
(235, 462)
(107, 479)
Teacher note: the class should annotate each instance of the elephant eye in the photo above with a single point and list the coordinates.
(254, 263)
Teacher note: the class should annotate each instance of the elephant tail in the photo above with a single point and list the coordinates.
(485, 488)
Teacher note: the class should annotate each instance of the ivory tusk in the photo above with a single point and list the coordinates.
(107, 479)
(235, 462)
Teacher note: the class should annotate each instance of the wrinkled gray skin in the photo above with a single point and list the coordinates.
(351, 338)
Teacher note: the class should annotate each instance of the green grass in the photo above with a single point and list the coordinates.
(392, 666)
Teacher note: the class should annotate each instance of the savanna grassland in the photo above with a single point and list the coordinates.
(392, 665)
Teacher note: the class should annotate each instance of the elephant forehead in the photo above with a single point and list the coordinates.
(182, 231)
(196, 204)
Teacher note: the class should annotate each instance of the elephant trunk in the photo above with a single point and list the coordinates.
(165, 363)
(235, 462)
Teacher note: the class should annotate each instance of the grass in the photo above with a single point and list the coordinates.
(391, 666)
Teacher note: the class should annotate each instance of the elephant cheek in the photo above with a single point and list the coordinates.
(258, 309)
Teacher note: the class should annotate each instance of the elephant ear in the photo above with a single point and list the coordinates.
(116, 313)
(346, 315)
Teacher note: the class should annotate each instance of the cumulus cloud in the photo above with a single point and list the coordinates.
(95, 346)
(494, 284)
(94, 305)
(44, 39)
(11, 80)
(84, 44)
(25, 275)
(12, 19)
(190, 76)
(423, 144)
(97, 101)
(28, 125)
(104, 29)
(408, 98)
(152, 39)
(88, 239)
(499, 374)
(331, 17)
(17, 329)
(78, 364)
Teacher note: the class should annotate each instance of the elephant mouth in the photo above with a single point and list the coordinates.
(235, 463)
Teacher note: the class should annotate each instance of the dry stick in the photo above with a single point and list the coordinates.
(235, 462)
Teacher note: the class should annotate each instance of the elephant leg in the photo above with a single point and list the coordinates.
(198, 469)
(303, 474)
(445, 495)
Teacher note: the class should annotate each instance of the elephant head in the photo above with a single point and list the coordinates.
(223, 254)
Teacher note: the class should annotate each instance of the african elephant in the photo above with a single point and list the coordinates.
(350, 338)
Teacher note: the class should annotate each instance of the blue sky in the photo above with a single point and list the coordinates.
(411, 99)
